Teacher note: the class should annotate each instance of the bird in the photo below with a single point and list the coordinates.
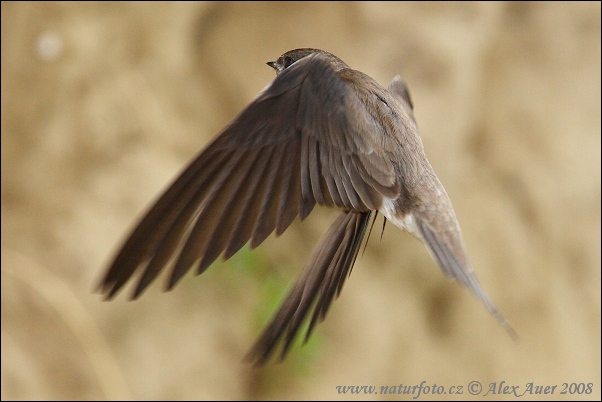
(321, 133)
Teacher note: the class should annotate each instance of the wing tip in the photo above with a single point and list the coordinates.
(506, 325)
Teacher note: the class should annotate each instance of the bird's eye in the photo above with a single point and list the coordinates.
(287, 61)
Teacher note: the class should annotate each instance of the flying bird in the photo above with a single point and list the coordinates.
(320, 133)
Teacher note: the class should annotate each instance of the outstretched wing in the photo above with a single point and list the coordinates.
(306, 139)
(446, 247)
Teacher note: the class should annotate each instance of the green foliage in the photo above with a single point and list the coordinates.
(251, 272)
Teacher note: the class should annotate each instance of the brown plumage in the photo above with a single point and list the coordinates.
(319, 133)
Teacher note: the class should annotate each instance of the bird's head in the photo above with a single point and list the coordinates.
(292, 56)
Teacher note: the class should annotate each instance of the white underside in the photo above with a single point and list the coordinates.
(406, 222)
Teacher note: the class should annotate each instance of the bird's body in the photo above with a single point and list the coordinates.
(320, 133)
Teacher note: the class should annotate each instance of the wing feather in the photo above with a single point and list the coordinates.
(308, 138)
(325, 271)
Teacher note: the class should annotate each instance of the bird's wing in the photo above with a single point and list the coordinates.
(322, 280)
(448, 250)
(306, 138)
(399, 89)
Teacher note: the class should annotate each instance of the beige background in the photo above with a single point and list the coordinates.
(102, 105)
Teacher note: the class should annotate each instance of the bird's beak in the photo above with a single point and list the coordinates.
(274, 65)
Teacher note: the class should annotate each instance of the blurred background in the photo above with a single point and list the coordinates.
(104, 103)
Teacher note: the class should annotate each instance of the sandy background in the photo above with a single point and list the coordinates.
(102, 105)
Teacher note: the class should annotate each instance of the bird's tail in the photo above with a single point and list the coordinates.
(322, 280)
